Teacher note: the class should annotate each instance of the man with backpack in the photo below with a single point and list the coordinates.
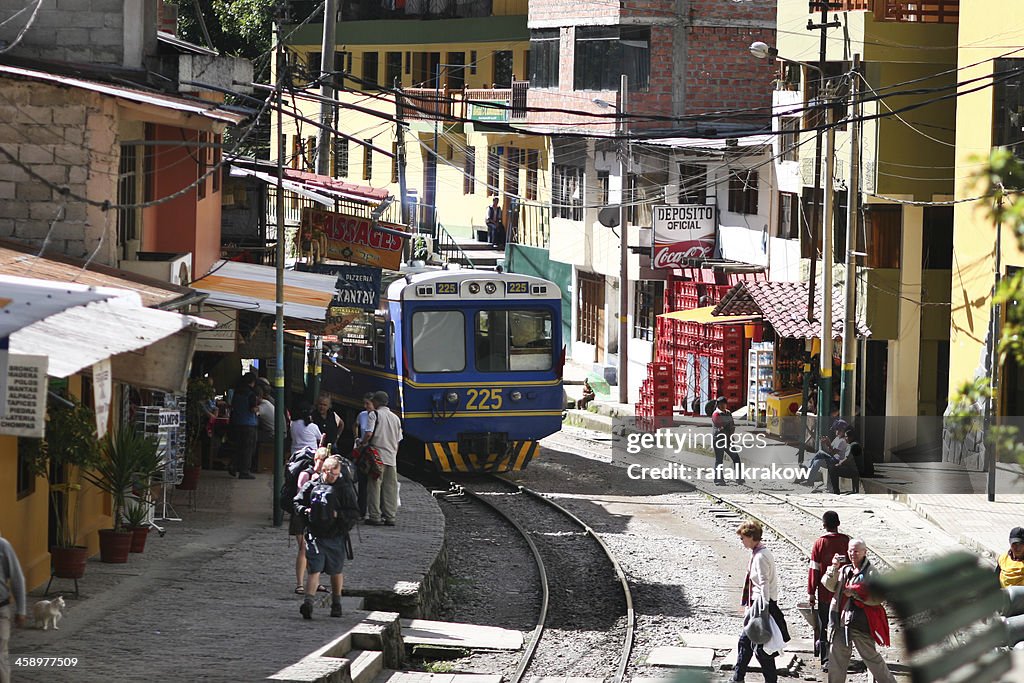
(301, 468)
(331, 510)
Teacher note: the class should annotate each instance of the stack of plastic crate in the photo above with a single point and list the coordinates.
(657, 397)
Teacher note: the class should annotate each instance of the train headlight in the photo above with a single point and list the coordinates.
(516, 395)
(453, 397)
(490, 288)
(474, 288)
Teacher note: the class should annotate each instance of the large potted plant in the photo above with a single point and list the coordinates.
(68, 450)
(200, 392)
(128, 460)
(136, 518)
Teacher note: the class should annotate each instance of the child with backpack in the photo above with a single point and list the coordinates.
(300, 469)
(331, 508)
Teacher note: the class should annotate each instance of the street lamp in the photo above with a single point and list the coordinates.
(623, 370)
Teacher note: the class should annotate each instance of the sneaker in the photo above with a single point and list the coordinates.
(336, 610)
(246, 475)
(306, 610)
(372, 522)
(389, 522)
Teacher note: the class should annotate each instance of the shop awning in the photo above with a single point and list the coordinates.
(704, 315)
(147, 347)
(24, 301)
(784, 306)
(253, 287)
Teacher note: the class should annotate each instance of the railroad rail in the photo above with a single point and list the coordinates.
(487, 498)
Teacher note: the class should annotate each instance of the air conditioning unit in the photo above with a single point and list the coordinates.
(173, 268)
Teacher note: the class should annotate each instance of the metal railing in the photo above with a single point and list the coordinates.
(928, 12)
(427, 104)
(446, 244)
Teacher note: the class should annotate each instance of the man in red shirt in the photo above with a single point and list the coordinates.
(829, 545)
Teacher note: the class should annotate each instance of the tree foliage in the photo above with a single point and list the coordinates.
(241, 28)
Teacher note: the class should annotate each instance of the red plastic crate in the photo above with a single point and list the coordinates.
(732, 331)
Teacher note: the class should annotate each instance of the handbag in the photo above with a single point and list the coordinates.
(368, 460)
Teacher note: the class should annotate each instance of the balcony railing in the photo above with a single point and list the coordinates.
(498, 105)
(928, 12)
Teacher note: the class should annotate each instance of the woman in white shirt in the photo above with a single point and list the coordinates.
(761, 586)
(304, 432)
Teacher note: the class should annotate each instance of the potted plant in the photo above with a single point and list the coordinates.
(69, 448)
(136, 519)
(128, 460)
(197, 418)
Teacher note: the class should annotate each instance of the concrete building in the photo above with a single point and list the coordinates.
(986, 117)
(904, 178)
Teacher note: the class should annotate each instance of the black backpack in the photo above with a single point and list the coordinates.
(299, 463)
(334, 508)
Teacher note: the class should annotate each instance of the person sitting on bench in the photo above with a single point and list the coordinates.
(588, 395)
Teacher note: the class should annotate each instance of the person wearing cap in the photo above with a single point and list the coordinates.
(1010, 565)
(830, 456)
(382, 493)
(760, 592)
(724, 428)
(830, 544)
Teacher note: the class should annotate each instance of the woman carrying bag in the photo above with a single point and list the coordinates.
(764, 626)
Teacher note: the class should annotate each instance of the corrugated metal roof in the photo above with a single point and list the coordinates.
(291, 186)
(18, 259)
(784, 306)
(24, 301)
(77, 338)
(181, 104)
(252, 287)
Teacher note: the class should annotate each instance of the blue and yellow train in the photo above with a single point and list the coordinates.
(471, 361)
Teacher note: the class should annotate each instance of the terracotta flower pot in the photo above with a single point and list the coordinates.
(139, 536)
(115, 546)
(189, 478)
(69, 563)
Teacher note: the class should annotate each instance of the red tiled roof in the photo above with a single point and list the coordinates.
(328, 183)
(784, 306)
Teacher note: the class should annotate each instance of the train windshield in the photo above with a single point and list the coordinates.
(438, 341)
(513, 340)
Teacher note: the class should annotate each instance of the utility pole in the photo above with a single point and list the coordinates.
(825, 359)
(327, 47)
(992, 363)
(824, 26)
(279, 426)
(400, 149)
(623, 246)
(847, 389)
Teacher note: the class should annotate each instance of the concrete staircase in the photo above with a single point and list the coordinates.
(469, 253)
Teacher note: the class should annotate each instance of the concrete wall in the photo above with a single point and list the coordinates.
(114, 32)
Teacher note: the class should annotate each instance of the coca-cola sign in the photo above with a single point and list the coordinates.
(682, 233)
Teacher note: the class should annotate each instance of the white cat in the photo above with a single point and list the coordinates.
(47, 612)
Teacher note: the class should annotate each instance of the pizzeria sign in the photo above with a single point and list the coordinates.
(682, 233)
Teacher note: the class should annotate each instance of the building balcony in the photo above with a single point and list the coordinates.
(928, 12)
(490, 105)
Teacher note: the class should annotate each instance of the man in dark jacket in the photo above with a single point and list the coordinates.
(244, 423)
(323, 504)
(723, 429)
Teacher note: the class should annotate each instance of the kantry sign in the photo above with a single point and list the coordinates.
(353, 238)
(682, 233)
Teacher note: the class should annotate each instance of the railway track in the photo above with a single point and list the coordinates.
(584, 626)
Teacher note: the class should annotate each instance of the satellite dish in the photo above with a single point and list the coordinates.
(609, 216)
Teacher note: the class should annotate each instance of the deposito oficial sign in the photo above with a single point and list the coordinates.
(682, 233)
(354, 238)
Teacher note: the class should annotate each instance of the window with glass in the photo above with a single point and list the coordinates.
(507, 341)
(604, 53)
(544, 44)
(380, 342)
(371, 69)
(789, 138)
(1008, 105)
(692, 183)
(469, 171)
(438, 341)
(127, 184)
(789, 215)
(392, 69)
(493, 170)
(567, 192)
(648, 303)
(603, 187)
(743, 192)
(367, 159)
(503, 69)
(456, 70)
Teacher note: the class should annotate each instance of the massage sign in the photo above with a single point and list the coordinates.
(353, 238)
(683, 233)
